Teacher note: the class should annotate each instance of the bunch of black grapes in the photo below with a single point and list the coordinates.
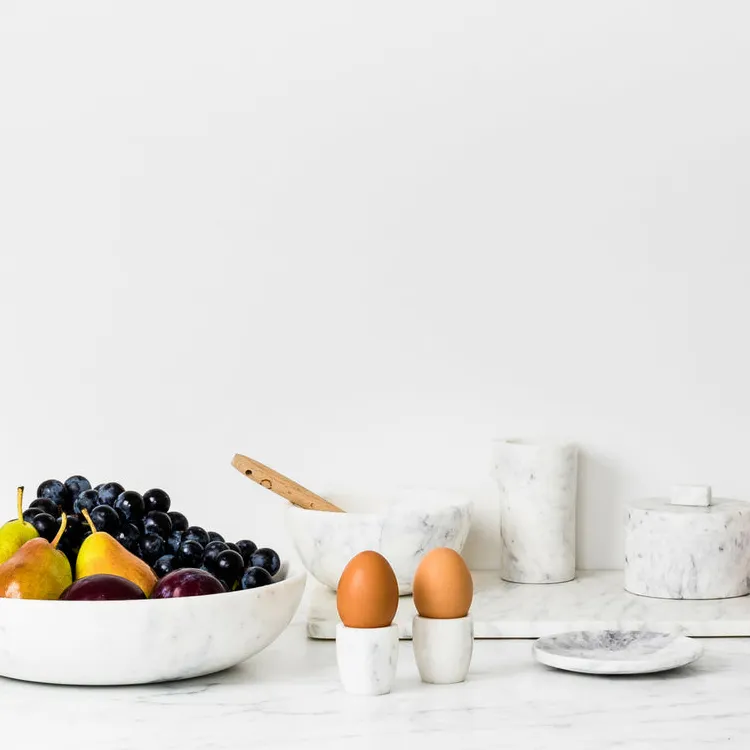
(145, 526)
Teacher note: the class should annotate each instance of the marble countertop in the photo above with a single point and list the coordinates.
(595, 600)
(289, 697)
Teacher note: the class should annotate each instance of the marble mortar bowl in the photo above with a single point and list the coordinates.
(135, 642)
(411, 523)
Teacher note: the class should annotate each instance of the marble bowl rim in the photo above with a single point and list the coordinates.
(535, 443)
(294, 575)
(449, 501)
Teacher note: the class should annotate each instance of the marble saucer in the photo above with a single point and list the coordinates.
(616, 651)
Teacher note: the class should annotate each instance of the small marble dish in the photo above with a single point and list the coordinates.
(616, 651)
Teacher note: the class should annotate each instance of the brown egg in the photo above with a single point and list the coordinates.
(443, 588)
(367, 595)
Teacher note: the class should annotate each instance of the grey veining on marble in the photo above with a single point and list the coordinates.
(135, 642)
(687, 552)
(289, 697)
(595, 600)
(443, 648)
(367, 659)
(415, 522)
(538, 490)
(616, 651)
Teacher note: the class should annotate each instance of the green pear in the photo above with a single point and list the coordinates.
(37, 571)
(15, 533)
(101, 553)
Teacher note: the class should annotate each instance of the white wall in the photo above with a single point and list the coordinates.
(357, 241)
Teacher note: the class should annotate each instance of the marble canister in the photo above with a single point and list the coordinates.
(367, 658)
(443, 648)
(675, 551)
(538, 489)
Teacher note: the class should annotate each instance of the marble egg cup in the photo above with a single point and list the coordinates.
(367, 659)
(414, 523)
(77, 642)
(443, 648)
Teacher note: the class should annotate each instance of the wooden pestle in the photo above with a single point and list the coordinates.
(295, 493)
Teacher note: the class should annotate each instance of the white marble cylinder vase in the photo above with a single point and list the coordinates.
(685, 552)
(443, 648)
(538, 489)
(367, 659)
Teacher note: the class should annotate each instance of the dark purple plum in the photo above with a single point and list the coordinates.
(102, 588)
(187, 582)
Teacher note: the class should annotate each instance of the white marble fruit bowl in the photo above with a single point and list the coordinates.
(134, 642)
(413, 523)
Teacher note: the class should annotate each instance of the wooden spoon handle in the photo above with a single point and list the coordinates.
(295, 493)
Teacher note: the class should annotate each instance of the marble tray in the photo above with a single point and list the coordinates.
(595, 600)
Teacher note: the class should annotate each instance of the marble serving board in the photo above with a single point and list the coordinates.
(594, 600)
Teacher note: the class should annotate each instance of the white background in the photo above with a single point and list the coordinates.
(358, 241)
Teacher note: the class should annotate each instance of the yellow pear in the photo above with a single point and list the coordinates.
(102, 553)
(37, 571)
(15, 533)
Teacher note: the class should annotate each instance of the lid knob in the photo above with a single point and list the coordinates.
(690, 494)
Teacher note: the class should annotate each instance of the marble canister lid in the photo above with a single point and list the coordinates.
(665, 505)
